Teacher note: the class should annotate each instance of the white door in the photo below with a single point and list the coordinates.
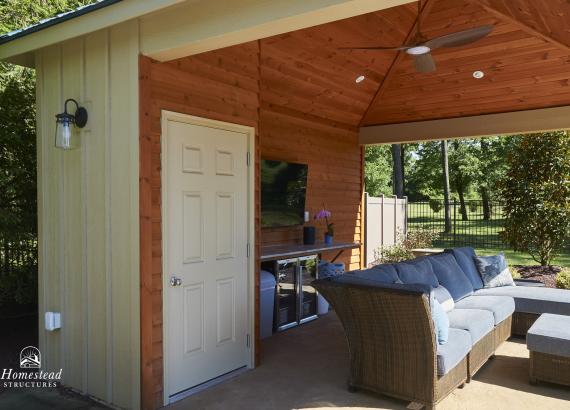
(206, 235)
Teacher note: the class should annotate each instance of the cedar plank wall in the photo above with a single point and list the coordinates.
(221, 86)
(225, 85)
(330, 148)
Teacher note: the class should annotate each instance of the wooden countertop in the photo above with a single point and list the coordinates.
(274, 252)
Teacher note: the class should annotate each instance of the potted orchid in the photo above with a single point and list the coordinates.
(324, 215)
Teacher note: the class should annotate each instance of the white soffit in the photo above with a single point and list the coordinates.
(20, 49)
(517, 122)
(188, 29)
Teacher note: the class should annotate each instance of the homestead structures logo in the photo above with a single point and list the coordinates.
(31, 375)
(30, 358)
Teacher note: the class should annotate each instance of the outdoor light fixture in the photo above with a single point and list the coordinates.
(63, 126)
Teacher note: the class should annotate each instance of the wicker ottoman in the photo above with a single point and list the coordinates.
(548, 341)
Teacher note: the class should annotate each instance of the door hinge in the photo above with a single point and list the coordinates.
(247, 340)
(248, 158)
(247, 250)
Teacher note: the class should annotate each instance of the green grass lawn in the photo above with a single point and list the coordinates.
(517, 258)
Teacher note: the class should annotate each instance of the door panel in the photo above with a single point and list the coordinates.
(206, 238)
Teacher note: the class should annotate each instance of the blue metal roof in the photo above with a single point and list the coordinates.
(59, 18)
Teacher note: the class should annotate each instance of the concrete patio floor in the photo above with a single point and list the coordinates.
(306, 368)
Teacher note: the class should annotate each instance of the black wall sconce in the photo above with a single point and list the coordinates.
(64, 138)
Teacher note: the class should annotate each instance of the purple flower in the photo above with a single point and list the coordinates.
(323, 214)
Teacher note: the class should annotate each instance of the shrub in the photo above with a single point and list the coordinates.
(402, 249)
(473, 207)
(514, 272)
(419, 238)
(536, 191)
(436, 205)
(563, 279)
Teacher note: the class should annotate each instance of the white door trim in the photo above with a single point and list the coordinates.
(250, 134)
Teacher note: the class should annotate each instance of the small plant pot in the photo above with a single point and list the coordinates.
(328, 239)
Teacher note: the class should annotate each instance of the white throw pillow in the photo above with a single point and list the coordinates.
(444, 298)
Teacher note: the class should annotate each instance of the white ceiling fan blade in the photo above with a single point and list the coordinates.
(401, 48)
(460, 38)
(424, 63)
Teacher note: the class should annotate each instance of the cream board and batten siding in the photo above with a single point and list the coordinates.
(88, 205)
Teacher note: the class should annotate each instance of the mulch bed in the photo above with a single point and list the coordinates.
(545, 274)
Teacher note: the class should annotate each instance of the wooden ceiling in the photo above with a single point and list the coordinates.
(526, 61)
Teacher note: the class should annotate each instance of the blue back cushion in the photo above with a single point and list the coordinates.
(451, 276)
(417, 271)
(464, 258)
(351, 279)
(380, 273)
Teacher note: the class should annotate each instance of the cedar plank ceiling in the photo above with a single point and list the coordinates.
(526, 61)
(319, 77)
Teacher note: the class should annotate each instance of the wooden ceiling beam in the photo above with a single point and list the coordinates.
(522, 26)
(424, 12)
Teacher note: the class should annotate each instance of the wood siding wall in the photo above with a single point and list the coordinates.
(222, 86)
(232, 85)
(88, 216)
(325, 139)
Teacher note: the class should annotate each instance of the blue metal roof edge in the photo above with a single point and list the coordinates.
(57, 19)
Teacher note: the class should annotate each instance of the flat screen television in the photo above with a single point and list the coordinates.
(283, 191)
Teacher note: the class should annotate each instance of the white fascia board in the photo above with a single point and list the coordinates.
(18, 50)
(509, 123)
(189, 29)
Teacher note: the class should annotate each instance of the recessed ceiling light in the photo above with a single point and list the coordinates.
(478, 74)
(360, 79)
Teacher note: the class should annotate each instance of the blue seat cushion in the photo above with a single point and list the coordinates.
(533, 300)
(417, 271)
(450, 275)
(501, 306)
(380, 273)
(464, 258)
(475, 321)
(450, 354)
(550, 334)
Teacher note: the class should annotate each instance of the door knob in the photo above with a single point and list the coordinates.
(174, 281)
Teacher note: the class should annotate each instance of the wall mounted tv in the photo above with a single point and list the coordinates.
(283, 191)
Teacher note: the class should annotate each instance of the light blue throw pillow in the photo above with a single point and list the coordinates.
(494, 271)
(440, 321)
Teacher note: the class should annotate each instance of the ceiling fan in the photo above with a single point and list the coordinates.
(420, 47)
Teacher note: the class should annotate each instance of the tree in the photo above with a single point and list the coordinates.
(464, 170)
(492, 154)
(378, 170)
(18, 203)
(536, 191)
(446, 189)
(398, 170)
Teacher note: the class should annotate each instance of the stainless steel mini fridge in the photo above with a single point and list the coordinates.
(296, 299)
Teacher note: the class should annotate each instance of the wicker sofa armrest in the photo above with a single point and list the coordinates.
(390, 336)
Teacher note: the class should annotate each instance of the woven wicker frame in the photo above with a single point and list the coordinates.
(391, 342)
(522, 322)
(503, 331)
(549, 368)
(480, 353)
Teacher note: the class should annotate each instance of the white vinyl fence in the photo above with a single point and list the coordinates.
(386, 217)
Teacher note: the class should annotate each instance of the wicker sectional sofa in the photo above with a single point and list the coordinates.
(391, 335)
